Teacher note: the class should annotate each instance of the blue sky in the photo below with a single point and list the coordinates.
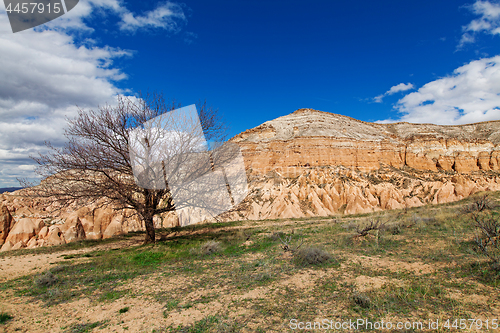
(417, 61)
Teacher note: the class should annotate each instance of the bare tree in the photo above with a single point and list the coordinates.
(95, 164)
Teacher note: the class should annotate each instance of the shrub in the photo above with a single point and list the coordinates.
(227, 327)
(276, 235)
(374, 225)
(393, 229)
(210, 247)
(123, 310)
(4, 317)
(361, 300)
(487, 238)
(46, 279)
(311, 255)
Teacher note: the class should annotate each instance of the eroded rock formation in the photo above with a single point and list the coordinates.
(309, 138)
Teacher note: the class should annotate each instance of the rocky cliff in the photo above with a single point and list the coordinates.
(308, 163)
(312, 163)
(309, 138)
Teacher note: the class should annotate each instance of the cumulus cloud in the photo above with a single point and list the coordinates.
(395, 89)
(488, 22)
(470, 94)
(45, 73)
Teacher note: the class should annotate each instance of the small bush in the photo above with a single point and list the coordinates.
(210, 247)
(275, 235)
(361, 300)
(227, 327)
(264, 276)
(123, 310)
(415, 220)
(86, 327)
(312, 255)
(374, 225)
(487, 239)
(46, 279)
(350, 226)
(393, 229)
(4, 317)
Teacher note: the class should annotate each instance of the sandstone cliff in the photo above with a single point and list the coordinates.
(309, 138)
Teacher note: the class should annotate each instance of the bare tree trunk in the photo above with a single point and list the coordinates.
(150, 230)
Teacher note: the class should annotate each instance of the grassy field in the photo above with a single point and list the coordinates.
(422, 266)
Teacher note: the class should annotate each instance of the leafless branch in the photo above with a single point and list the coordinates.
(374, 225)
(286, 243)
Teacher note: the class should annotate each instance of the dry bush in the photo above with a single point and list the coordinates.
(350, 226)
(276, 235)
(211, 247)
(393, 228)
(487, 238)
(415, 220)
(227, 327)
(46, 279)
(312, 255)
(374, 225)
(361, 300)
(479, 204)
(286, 242)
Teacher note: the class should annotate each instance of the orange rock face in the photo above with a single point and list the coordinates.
(309, 138)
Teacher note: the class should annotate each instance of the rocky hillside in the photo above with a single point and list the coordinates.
(312, 163)
(308, 163)
(309, 138)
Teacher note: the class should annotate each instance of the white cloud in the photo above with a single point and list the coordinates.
(395, 89)
(470, 94)
(45, 73)
(489, 21)
(167, 16)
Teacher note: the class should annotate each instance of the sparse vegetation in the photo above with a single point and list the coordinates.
(487, 237)
(312, 255)
(361, 300)
(123, 310)
(424, 264)
(4, 317)
(373, 225)
(479, 204)
(286, 242)
(46, 279)
(85, 327)
(210, 247)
